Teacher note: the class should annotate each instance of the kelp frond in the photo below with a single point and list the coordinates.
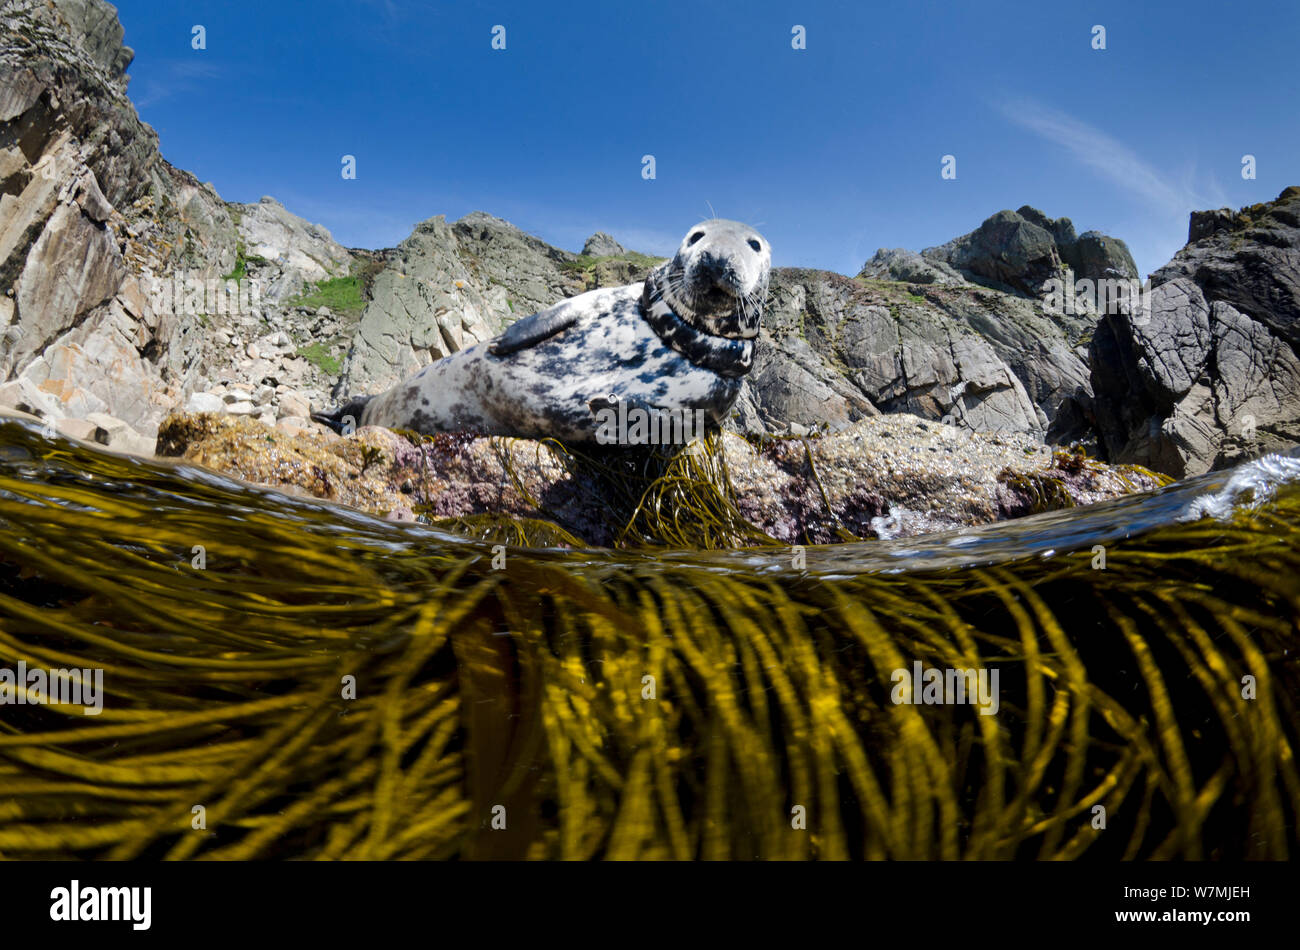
(286, 679)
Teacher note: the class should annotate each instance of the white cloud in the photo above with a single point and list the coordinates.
(1175, 194)
(176, 76)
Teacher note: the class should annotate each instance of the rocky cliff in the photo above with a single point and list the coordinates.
(1208, 374)
(122, 276)
(131, 290)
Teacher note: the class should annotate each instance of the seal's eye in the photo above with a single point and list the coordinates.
(754, 244)
(695, 237)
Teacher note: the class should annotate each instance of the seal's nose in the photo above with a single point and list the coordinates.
(717, 269)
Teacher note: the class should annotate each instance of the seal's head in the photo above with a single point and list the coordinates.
(717, 281)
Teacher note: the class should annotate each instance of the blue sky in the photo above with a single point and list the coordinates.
(832, 151)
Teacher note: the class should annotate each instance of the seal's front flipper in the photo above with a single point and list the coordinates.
(533, 329)
(348, 414)
(632, 422)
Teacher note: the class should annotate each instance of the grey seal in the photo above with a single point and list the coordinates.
(676, 346)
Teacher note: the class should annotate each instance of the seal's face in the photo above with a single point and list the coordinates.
(718, 279)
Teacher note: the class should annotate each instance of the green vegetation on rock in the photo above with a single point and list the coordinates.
(340, 294)
(242, 260)
(318, 354)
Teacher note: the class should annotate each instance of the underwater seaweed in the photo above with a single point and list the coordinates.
(623, 704)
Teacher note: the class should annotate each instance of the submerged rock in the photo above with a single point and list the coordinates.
(888, 476)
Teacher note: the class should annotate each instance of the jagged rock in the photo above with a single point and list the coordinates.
(1021, 250)
(1006, 248)
(601, 244)
(835, 350)
(63, 67)
(97, 368)
(271, 232)
(910, 267)
(80, 179)
(1204, 223)
(530, 272)
(73, 267)
(1254, 264)
(1212, 376)
(428, 302)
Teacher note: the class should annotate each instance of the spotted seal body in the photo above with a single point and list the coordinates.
(680, 342)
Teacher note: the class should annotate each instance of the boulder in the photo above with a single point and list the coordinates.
(601, 244)
(204, 402)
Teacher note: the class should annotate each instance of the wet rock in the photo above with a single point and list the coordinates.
(917, 476)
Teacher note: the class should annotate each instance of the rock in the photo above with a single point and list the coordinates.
(97, 367)
(1006, 248)
(1212, 378)
(293, 405)
(894, 474)
(425, 304)
(909, 266)
(1095, 256)
(110, 425)
(834, 350)
(205, 402)
(91, 200)
(63, 66)
(11, 396)
(1021, 250)
(601, 244)
(119, 436)
(1252, 265)
(73, 267)
(241, 408)
(1204, 223)
(82, 429)
(272, 232)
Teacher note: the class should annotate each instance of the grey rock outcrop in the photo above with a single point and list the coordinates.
(271, 232)
(1021, 250)
(1211, 376)
(834, 350)
(601, 244)
(532, 272)
(901, 264)
(427, 303)
(449, 286)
